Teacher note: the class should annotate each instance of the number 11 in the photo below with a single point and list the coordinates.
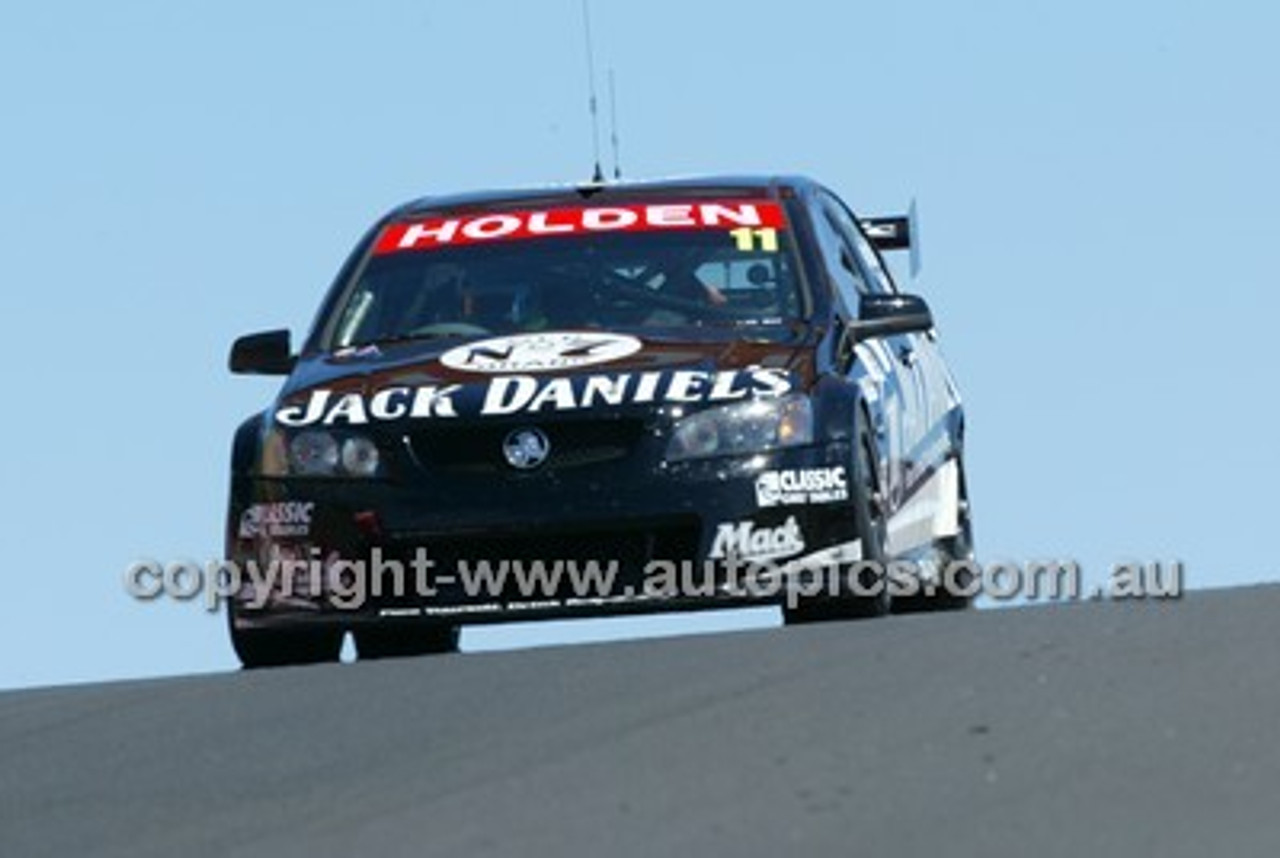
(745, 237)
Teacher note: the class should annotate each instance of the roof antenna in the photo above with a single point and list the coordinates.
(613, 127)
(598, 176)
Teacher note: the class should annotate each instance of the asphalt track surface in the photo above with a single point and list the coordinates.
(1091, 729)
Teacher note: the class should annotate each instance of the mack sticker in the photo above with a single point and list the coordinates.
(530, 394)
(275, 520)
(749, 541)
(430, 233)
(802, 486)
(540, 352)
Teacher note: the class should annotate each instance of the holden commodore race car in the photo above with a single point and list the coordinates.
(591, 400)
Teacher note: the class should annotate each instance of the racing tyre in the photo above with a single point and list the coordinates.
(279, 647)
(377, 643)
(867, 508)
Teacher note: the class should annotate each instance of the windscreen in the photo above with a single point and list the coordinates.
(618, 266)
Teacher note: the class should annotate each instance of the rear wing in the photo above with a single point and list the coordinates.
(888, 233)
(896, 232)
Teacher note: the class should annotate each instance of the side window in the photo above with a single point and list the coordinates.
(867, 256)
(849, 284)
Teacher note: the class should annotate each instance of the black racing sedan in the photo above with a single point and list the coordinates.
(595, 400)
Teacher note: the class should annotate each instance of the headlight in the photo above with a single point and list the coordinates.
(743, 428)
(313, 454)
(359, 457)
(317, 453)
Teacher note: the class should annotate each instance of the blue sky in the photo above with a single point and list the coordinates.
(1097, 183)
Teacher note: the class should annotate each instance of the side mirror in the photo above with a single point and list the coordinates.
(887, 315)
(267, 353)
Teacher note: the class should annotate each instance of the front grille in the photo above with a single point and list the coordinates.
(629, 549)
(478, 449)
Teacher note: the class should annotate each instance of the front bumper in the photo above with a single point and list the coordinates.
(701, 534)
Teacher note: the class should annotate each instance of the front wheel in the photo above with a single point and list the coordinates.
(377, 643)
(280, 647)
(867, 508)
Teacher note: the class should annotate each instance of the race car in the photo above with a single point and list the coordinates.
(596, 399)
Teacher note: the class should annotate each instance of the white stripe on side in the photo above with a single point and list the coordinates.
(933, 512)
